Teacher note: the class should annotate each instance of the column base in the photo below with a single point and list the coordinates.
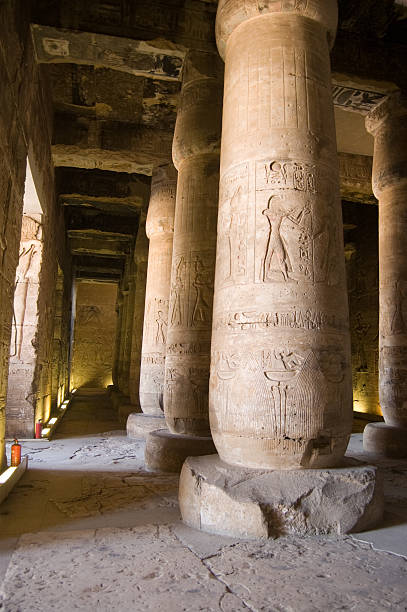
(385, 440)
(139, 425)
(167, 452)
(219, 498)
(124, 411)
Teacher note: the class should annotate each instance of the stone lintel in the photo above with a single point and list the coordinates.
(100, 243)
(139, 425)
(238, 502)
(158, 59)
(134, 161)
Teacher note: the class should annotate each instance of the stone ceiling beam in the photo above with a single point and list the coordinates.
(99, 243)
(158, 59)
(83, 142)
(116, 191)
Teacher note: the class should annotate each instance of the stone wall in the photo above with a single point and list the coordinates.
(94, 334)
(25, 129)
(361, 252)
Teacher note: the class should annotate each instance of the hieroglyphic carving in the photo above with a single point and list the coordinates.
(295, 319)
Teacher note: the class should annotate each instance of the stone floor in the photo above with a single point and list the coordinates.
(88, 528)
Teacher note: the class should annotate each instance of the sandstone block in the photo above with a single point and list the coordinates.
(124, 411)
(238, 502)
(385, 440)
(139, 425)
(167, 452)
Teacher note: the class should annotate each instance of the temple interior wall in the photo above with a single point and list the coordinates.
(94, 334)
(25, 131)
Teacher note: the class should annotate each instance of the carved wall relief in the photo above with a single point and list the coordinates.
(232, 226)
(27, 275)
(294, 391)
(295, 238)
(192, 290)
(94, 335)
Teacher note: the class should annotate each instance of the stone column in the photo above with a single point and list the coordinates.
(388, 124)
(280, 387)
(196, 157)
(160, 230)
(140, 259)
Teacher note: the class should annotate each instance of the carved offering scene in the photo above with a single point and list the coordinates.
(295, 239)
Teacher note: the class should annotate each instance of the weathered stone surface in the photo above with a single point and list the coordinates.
(140, 260)
(139, 425)
(355, 172)
(95, 324)
(159, 229)
(167, 451)
(239, 502)
(389, 126)
(108, 145)
(383, 439)
(152, 59)
(280, 388)
(196, 157)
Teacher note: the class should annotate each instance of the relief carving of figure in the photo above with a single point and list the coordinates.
(275, 245)
(27, 271)
(361, 328)
(177, 290)
(161, 328)
(236, 233)
(201, 310)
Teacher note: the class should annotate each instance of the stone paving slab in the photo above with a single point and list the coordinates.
(89, 528)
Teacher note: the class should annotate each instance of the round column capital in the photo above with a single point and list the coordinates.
(231, 13)
(161, 209)
(387, 122)
(199, 117)
(391, 109)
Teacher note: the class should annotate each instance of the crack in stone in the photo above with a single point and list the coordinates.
(212, 573)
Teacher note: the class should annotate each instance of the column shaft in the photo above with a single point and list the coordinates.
(160, 229)
(280, 389)
(196, 156)
(388, 124)
(140, 259)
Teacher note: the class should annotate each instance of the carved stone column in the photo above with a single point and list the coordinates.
(160, 230)
(388, 124)
(280, 387)
(196, 157)
(140, 259)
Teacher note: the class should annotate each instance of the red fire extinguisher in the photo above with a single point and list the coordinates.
(15, 453)
(38, 429)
